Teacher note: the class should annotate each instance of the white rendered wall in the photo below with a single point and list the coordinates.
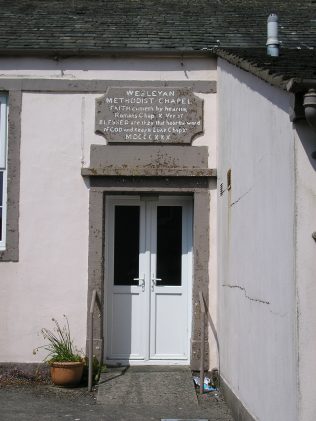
(305, 145)
(257, 327)
(212, 316)
(133, 68)
(51, 276)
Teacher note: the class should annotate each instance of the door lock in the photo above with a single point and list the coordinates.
(154, 282)
(141, 282)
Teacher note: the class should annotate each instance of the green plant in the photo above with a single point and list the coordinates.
(60, 345)
(96, 370)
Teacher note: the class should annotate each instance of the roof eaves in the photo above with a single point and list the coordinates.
(251, 67)
(99, 52)
(300, 85)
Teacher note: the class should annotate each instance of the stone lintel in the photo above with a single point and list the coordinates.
(149, 161)
(149, 172)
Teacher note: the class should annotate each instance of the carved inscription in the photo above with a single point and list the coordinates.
(149, 115)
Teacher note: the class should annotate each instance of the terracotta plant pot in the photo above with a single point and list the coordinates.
(66, 373)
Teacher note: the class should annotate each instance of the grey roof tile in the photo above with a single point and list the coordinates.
(190, 24)
(236, 27)
(288, 71)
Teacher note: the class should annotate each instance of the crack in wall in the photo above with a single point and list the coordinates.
(257, 300)
(242, 196)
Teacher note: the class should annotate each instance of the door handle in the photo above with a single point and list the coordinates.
(154, 282)
(141, 282)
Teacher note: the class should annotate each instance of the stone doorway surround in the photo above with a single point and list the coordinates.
(136, 169)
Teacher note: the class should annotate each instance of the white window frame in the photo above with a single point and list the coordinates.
(3, 163)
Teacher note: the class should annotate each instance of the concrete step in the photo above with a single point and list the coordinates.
(147, 386)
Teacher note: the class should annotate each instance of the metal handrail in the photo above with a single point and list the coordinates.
(202, 308)
(90, 348)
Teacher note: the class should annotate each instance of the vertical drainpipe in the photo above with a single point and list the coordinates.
(309, 105)
(273, 40)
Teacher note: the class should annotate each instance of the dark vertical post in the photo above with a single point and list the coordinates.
(90, 372)
(202, 309)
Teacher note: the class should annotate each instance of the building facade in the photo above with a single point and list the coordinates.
(97, 173)
(154, 169)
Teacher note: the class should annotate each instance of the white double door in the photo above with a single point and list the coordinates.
(149, 272)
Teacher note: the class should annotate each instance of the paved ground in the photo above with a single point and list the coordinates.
(46, 402)
(147, 386)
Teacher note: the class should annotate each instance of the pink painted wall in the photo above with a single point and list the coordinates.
(50, 278)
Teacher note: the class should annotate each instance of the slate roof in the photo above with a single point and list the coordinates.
(99, 26)
(291, 71)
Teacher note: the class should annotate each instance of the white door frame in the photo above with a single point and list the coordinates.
(187, 264)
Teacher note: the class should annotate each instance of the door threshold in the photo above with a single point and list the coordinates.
(120, 363)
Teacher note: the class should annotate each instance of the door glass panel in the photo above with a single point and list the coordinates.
(169, 245)
(126, 245)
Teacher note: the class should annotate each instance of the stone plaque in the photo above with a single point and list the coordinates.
(149, 115)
